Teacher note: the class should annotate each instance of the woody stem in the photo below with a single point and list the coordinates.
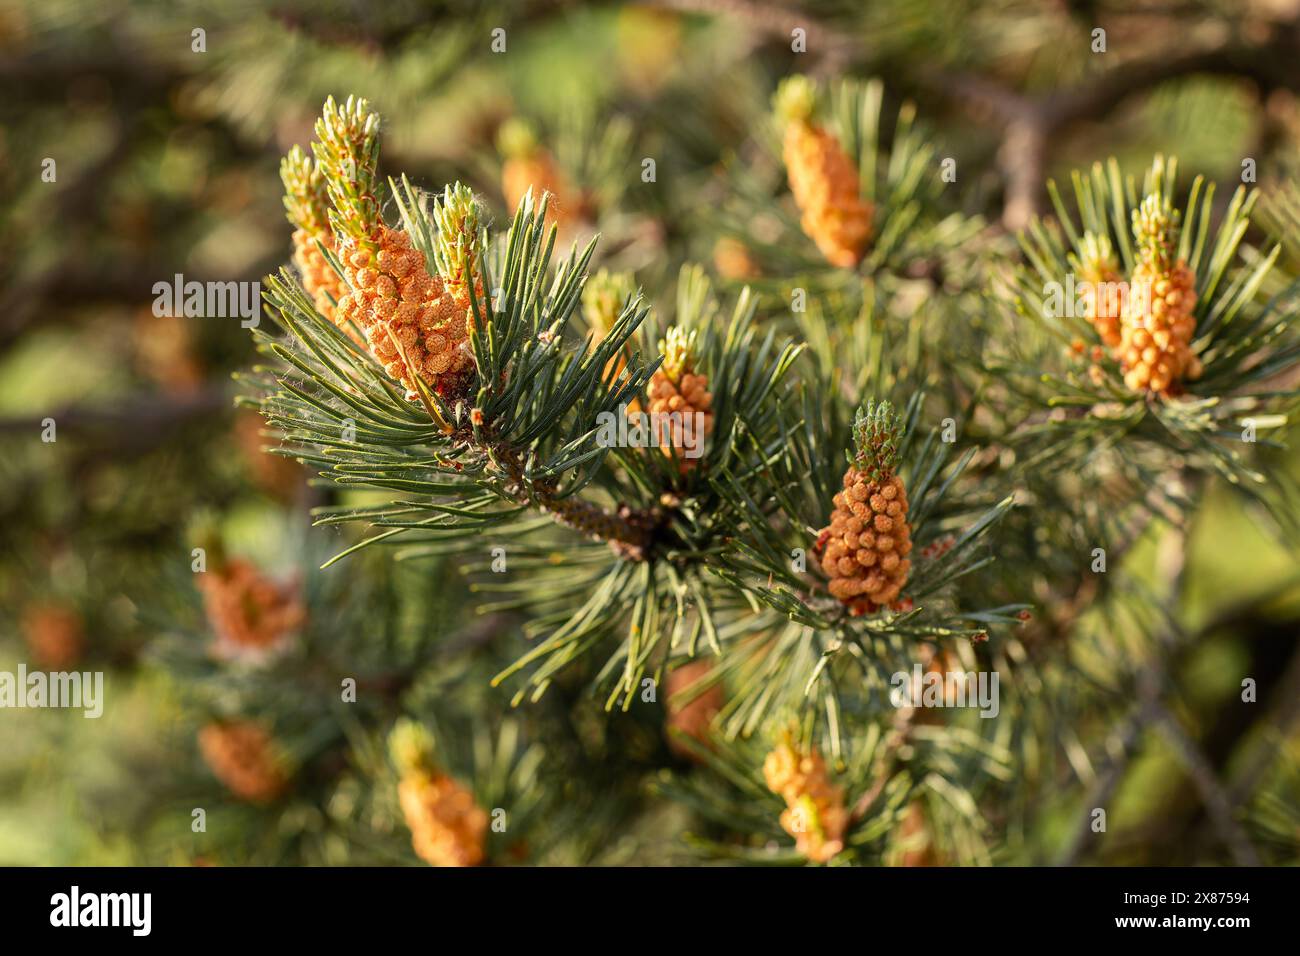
(628, 531)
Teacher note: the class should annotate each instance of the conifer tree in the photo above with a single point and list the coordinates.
(727, 452)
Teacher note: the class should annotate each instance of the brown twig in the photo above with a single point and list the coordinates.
(899, 735)
(628, 531)
(1031, 124)
(1213, 795)
(139, 422)
(773, 20)
(1265, 755)
(1104, 788)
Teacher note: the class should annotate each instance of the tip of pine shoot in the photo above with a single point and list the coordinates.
(411, 747)
(1155, 225)
(458, 251)
(604, 296)
(347, 154)
(877, 431)
(795, 99)
(1096, 251)
(678, 350)
(306, 199)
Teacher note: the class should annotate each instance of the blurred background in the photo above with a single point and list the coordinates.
(142, 139)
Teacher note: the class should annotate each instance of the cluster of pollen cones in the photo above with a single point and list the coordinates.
(823, 179)
(447, 827)
(323, 284)
(242, 755)
(824, 184)
(389, 299)
(815, 814)
(251, 615)
(55, 634)
(866, 546)
(411, 321)
(1147, 322)
(686, 396)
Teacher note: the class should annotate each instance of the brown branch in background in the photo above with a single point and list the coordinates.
(1208, 758)
(1023, 159)
(1032, 123)
(1264, 755)
(899, 736)
(48, 73)
(137, 84)
(1268, 633)
(1150, 710)
(1149, 686)
(135, 425)
(1213, 796)
(56, 294)
(1103, 789)
(770, 19)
